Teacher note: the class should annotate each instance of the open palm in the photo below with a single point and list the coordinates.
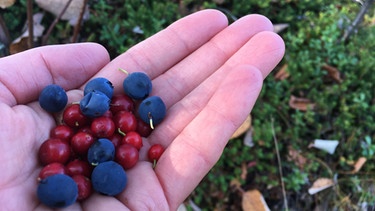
(208, 73)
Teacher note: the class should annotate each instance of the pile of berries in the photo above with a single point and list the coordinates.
(98, 140)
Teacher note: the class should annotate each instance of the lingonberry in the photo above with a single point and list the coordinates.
(143, 128)
(54, 150)
(81, 142)
(84, 187)
(116, 139)
(155, 152)
(53, 98)
(57, 191)
(103, 127)
(52, 169)
(74, 118)
(125, 121)
(121, 102)
(78, 167)
(127, 156)
(62, 132)
(132, 138)
(109, 178)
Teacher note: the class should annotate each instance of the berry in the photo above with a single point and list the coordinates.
(121, 102)
(54, 150)
(84, 187)
(51, 169)
(132, 138)
(62, 132)
(116, 139)
(152, 110)
(143, 128)
(109, 178)
(99, 84)
(53, 98)
(78, 167)
(57, 191)
(127, 156)
(137, 85)
(155, 152)
(81, 142)
(94, 104)
(125, 121)
(100, 151)
(103, 127)
(74, 118)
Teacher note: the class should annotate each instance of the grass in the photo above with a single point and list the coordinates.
(334, 76)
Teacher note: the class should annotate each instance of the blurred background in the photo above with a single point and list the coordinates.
(308, 143)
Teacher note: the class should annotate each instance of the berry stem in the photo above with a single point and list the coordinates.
(124, 71)
(121, 133)
(151, 121)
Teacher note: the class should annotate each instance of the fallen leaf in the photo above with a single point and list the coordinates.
(359, 164)
(71, 14)
(246, 125)
(6, 3)
(333, 72)
(302, 104)
(282, 74)
(277, 28)
(325, 145)
(253, 201)
(296, 157)
(320, 184)
(248, 139)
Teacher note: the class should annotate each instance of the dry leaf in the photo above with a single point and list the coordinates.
(277, 28)
(320, 184)
(358, 165)
(296, 157)
(325, 145)
(333, 72)
(6, 3)
(246, 125)
(302, 104)
(282, 74)
(71, 14)
(253, 201)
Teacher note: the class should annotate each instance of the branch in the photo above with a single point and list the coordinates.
(77, 27)
(349, 31)
(30, 20)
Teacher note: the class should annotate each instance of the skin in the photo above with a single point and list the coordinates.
(208, 73)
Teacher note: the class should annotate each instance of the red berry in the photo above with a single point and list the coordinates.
(155, 152)
(103, 127)
(62, 132)
(84, 187)
(54, 150)
(116, 139)
(51, 169)
(125, 121)
(73, 117)
(78, 167)
(81, 142)
(143, 128)
(132, 138)
(127, 156)
(121, 102)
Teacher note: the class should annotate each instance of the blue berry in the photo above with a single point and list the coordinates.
(53, 98)
(152, 110)
(109, 178)
(137, 85)
(99, 84)
(100, 151)
(94, 104)
(57, 191)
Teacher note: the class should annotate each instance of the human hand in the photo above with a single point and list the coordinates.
(209, 75)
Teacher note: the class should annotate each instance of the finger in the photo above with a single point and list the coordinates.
(163, 50)
(190, 156)
(67, 65)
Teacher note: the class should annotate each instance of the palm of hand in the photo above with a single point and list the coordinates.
(208, 74)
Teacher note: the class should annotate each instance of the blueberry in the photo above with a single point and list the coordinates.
(94, 104)
(100, 151)
(137, 85)
(109, 178)
(57, 191)
(152, 110)
(99, 84)
(53, 98)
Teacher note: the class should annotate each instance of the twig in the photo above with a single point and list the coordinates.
(53, 24)
(349, 31)
(30, 19)
(279, 163)
(4, 32)
(77, 27)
